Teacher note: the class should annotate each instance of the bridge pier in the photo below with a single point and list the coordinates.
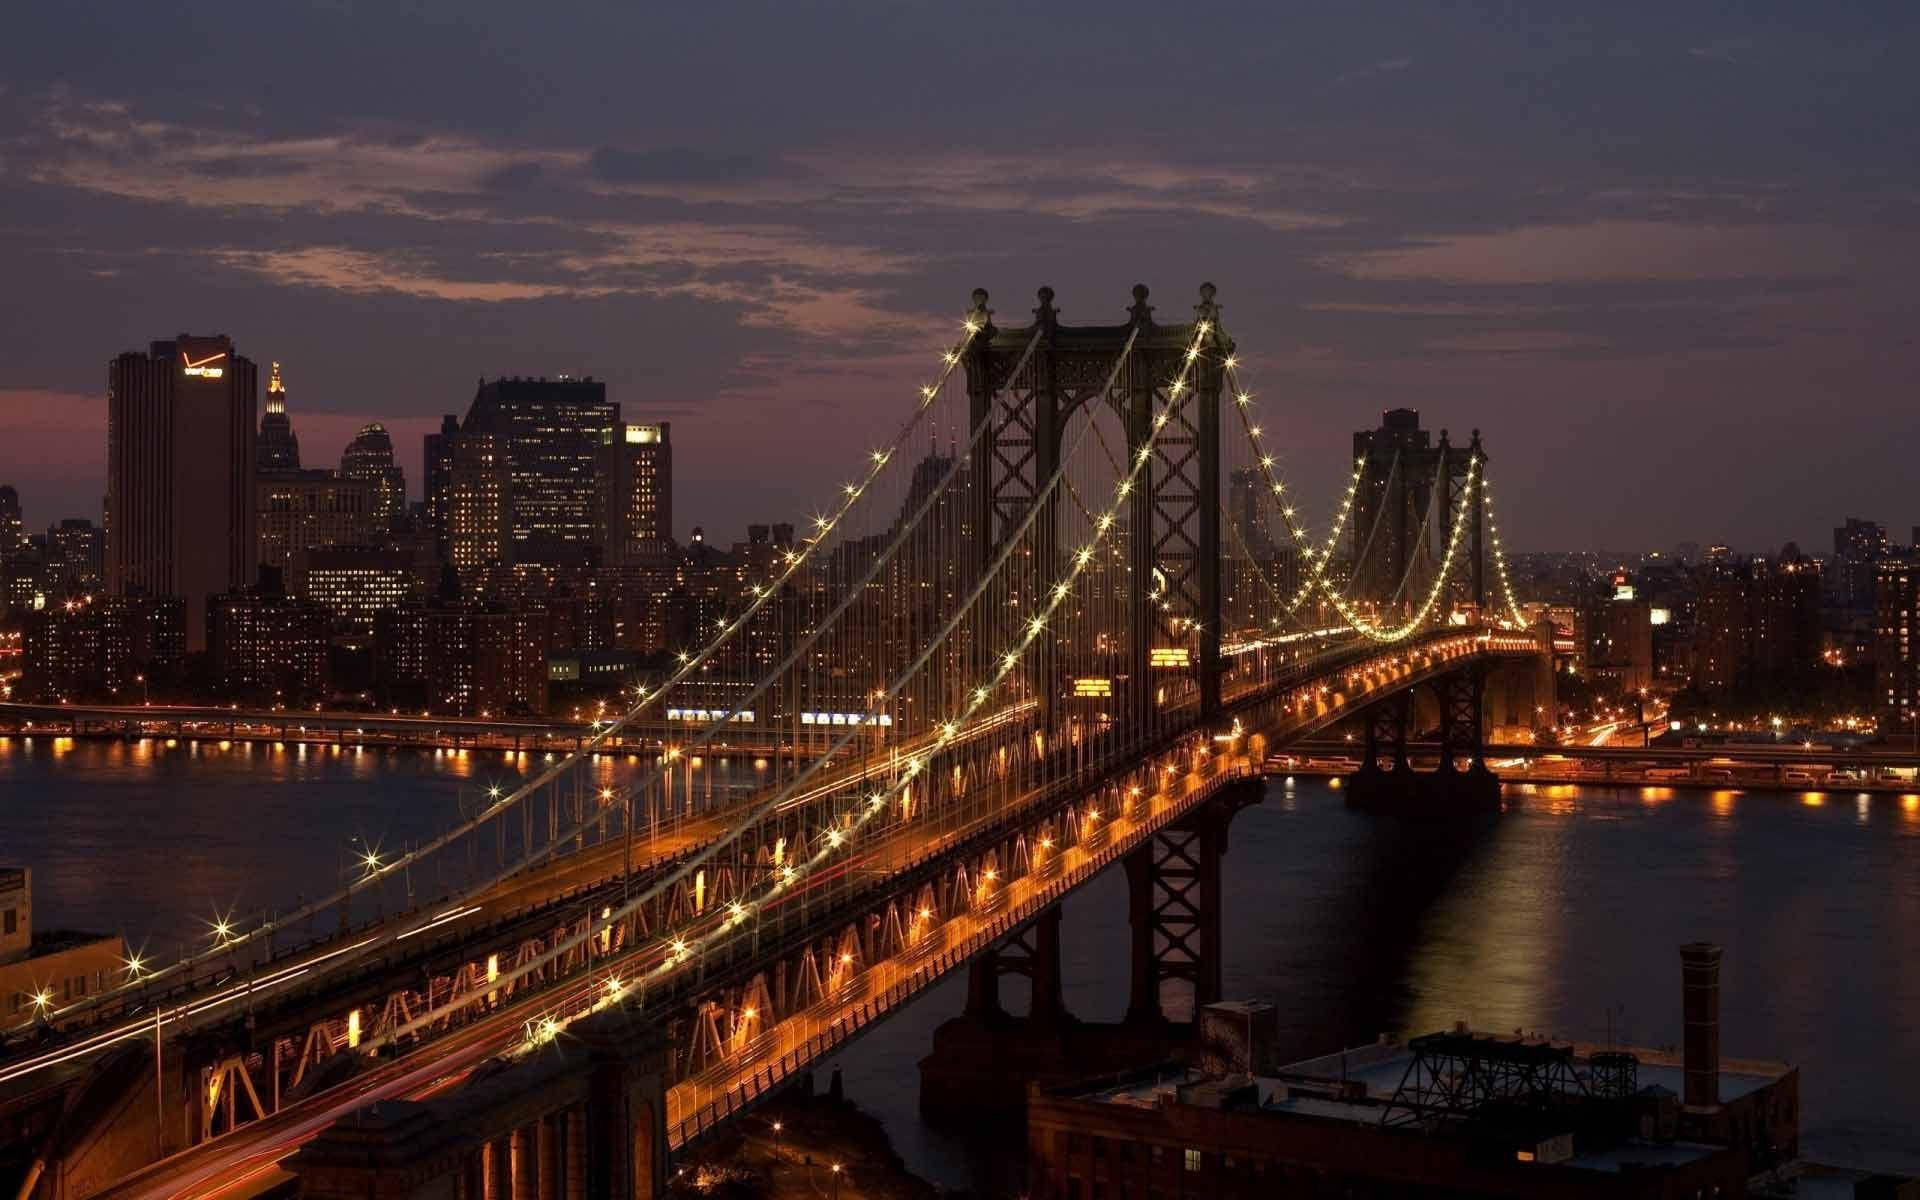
(983, 1060)
(1448, 788)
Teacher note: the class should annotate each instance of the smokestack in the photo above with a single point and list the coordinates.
(1700, 1011)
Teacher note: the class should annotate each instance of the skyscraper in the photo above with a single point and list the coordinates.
(278, 449)
(636, 504)
(369, 457)
(553, 432)
(180, 454)
(1857, 546)
(1896, 646)
(13, 530)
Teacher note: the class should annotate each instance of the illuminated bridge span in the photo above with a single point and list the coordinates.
(1058, 619)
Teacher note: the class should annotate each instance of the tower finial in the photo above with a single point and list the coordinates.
(273, 380)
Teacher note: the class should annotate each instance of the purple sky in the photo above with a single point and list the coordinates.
(1664, 254)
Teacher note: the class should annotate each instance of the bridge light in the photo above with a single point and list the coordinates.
(42, 999)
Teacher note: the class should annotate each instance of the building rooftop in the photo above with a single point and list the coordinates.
(1358, 1084)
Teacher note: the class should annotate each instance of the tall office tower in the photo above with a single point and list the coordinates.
(369, 457)
(553, 432)
(436, 460)
(635, 514)
(13, 530)
(180, 452)
(1388, 529)
(1857, 546)
(278, 449)
(475, 503)
(1896, 646)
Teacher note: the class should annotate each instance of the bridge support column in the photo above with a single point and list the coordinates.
(1462, 707)
(1173, 893)
(1386, 729)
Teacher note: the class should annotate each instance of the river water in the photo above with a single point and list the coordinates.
(1560, 916)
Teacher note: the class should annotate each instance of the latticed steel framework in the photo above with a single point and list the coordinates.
(1172, 522)
(1463, 1076)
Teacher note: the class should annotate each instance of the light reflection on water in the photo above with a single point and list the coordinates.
(1560, 916)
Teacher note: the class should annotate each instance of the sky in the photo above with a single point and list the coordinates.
(1661, 253)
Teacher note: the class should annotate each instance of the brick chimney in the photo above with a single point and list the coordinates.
(1700, 1011)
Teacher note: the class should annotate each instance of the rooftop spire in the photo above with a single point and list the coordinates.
(276, 392)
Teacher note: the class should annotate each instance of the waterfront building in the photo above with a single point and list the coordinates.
(263, 642)
(1541, 1118)
(180, 463)
(301, 510)
(277, 448)
(1620, 629)
(369, 458)
(635, 514)
(51, 969)
(1757, 624)
(553, 433)
(462, 658)
(1896, 646)
(102, 647)
(1857, 547)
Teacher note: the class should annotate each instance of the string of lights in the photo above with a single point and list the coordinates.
(1515, 616)
(226, 939)
(679, 948)
(1318, 562)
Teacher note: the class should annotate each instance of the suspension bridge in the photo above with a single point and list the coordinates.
(1062, 617)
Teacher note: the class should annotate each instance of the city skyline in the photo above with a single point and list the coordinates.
(1638, 292)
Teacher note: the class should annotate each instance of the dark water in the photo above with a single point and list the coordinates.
(1560, 916)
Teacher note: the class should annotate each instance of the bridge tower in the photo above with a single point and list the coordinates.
(1173, 523)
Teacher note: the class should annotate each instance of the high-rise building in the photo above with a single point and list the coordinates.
(369, 458)
(278, 449)
(1620, 637)
(635, 520)
(13, 530)
(302, 510)
(180, 454)
(474, 502)
(1896, 646)
(436, 462)
(1757, 624)
(77, 554)
(1393, 521)
(1857, 546)
(553, 432)
(355, 582)
(262, 641)
(102, 647)
(462, 658)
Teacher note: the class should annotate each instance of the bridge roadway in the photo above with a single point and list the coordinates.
(1787, 765)
(238, 1162)
(502, 914)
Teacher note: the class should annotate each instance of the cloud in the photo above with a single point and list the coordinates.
(1610, 252)
(673, 164)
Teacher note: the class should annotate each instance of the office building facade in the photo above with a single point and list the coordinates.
(180, 462)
